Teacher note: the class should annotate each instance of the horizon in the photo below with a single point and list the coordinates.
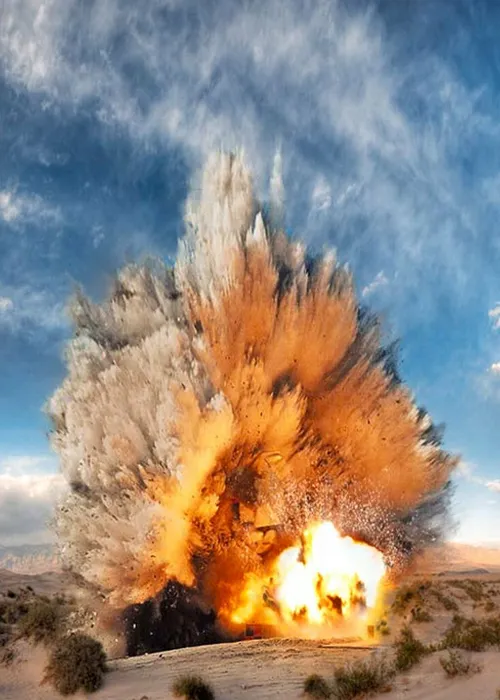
(385, 118)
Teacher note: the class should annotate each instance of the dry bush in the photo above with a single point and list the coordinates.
(409, 650)
(419, 614)
(192, 688)
(446, 601)
(409, 594)
(382, 627)
(7, 656)
(363, 677)
(474, 589)
(490, 606)
(77, 662)
(472, 635)
(41, 622)
(455, 664)
(316, 687)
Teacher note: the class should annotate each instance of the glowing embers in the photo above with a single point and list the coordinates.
(328, 577)
(326, 581)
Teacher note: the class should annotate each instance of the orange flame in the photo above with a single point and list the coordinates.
(323, 583)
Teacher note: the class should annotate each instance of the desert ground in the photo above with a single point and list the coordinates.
(464, 582)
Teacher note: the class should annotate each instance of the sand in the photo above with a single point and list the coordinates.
(271, 668)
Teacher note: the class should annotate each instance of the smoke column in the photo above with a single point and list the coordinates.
(242, 388)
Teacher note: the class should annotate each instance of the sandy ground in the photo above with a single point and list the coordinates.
(45, 584)
(272, 668)
(258, 669)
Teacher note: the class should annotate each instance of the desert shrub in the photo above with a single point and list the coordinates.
(472, 635)
(490, 606)
(316, 687)
(455, 664)
(474, 589)
(409, 650)
(363, 677)
(41, 621)
(77, 662)
(7, 656)
(446, 601)
(419, 614)
(382, 627)
(11, 594)
(192, 688)
(413, 593)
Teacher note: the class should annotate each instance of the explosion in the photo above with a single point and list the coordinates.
(326, 580)
(233, 432)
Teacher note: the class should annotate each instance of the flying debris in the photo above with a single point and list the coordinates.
(215, 413)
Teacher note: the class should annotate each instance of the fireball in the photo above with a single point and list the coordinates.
(316, 586)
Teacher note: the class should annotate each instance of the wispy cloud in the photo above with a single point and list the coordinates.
(24, 308)
(494, 314)
(18, 209)
(21, 465)
(330, 84)
(469, 473)
(379, 282)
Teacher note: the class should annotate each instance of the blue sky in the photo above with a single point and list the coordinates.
(387, 117)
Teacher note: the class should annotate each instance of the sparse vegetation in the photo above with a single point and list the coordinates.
(472, 634)
(409, 650)
(474, 589)
(382, 627)
(363, 677)
(489, 606)
(77, 662)
(41, 622)
(456, 664)
(446, 601)
(419, 614)
(192, 688)
(315, 686)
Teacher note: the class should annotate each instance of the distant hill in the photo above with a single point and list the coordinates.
(462, 558)
(29, 558)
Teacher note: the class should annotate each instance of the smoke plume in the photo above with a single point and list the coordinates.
(212, 410)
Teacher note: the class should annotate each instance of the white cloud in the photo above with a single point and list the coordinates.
(310, 74)
(469, 472)
(21, 209)
(17, 465)
(6, 304)
(374, 286)
(26, 505)
(495, 368)
(321, 196)
(23, 308)
(494, 314)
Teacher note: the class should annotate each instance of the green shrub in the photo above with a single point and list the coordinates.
(41, 621)
(77, 662)
(458, 665)
(192, 688)
(472, 635)
(409, 650)
(363, 677)
(316, 687)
